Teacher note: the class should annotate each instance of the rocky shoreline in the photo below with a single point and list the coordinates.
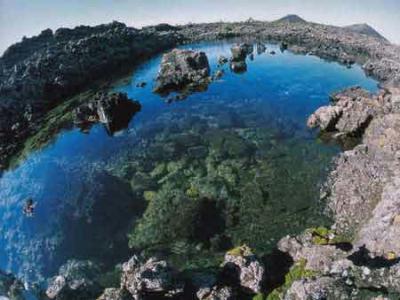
(357, 258)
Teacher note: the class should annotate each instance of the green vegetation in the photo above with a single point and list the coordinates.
(56, 120)
(297, 272)
(324, 236)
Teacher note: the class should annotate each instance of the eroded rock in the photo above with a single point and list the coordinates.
(242, 263)
(75, 280)
(114, 110)
(180, 69)
(151, 277)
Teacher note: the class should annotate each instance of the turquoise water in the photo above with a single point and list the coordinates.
(234, 164)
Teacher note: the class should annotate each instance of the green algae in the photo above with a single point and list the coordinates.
(297, 272)
(323, 236)
(58, 119)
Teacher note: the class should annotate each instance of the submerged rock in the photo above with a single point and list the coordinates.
(261, 48)
(222, 60)
(75, 280)
(180, 69)
(114, 110)
(239, 66)
(10, 287)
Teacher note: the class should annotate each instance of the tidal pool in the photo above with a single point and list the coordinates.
(188, 180)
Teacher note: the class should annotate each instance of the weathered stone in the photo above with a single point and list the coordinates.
(151, 277)
(179, 68)
(241, 262)
(75, 280)
(114, 110)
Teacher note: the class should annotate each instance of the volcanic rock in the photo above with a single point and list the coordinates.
(181, 68)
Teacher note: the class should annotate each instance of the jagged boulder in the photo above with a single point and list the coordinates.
(114, 110)
(240, 52)
(151, 277)
(350, 112)
(243, 265)
(181, 69)
(75, 280)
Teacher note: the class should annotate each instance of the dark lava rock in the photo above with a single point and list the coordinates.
(141, 84)
(222, 60)
(239, 52)
(114, 110)
(75, 280)
(218, 74)
(180, 69)
(10, 287)
(239, 66)
(261, 48)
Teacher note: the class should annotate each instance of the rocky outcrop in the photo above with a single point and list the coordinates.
(239, 54)
(359, 257)
(113, 110)
(41, 72)
(11, 287)
(151, 277)
(182, 69)
(31, 84)
(243, 264)
(349, 114)
(75, 280)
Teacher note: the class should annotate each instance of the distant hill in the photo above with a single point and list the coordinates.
(365, 29)
(291, 19)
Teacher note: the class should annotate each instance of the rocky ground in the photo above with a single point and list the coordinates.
(357, 258)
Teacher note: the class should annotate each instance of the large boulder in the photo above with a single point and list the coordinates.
(151, 277)
(350, 112)
(242, 265)
(240, 52)
(114, 110)
(182, 69)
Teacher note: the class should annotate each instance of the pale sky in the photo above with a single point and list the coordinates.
(29, 17)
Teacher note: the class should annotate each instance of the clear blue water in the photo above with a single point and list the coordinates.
(86, 198)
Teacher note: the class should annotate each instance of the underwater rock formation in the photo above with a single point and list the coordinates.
(11, 287)
(53, 66)
(182, 69)
(362, 190)
(75, 280)
(114, 110)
